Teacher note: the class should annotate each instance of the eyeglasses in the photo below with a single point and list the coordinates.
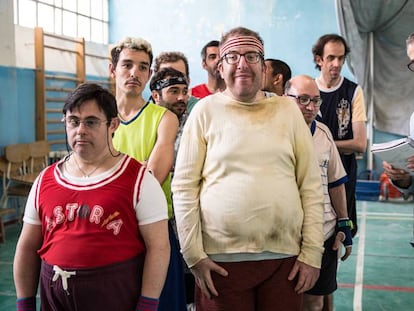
(305, 100)
(411, 66)
(91, 123)
(233, 58)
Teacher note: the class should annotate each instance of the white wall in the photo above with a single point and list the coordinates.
(57, 60)
(7, 53)
(17, 48)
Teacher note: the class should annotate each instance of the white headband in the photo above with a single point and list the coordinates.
(242, 41)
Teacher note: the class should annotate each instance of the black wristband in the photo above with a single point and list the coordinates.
(345, 225)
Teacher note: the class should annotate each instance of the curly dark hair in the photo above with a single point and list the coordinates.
(317, 49)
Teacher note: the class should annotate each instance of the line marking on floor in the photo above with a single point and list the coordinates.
(409, 215)
(389, 218)
(359, 271)
(389, 288)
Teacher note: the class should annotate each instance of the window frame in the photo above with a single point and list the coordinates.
(92, 28)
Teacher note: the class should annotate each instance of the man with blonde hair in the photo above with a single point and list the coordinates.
(147, 132)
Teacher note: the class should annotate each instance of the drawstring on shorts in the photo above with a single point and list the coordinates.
(65, 275)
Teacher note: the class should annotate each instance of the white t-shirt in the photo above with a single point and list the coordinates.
(151, 206)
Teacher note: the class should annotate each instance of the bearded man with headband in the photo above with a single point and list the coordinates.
(147, 133)
(247, 191)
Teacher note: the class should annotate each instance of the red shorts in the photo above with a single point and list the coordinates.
(253, 285)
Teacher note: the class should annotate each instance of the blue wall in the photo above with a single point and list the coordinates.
(18, 102)
(17, 106)
(288, 27)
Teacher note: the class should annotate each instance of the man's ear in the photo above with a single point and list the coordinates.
(278, 79)
(318, 60)
(112, 70)
(155, 96)
(113, 125)
(220, 69)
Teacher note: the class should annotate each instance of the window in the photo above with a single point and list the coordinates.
(75, 18)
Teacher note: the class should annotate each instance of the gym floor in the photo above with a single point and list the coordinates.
(379, 275)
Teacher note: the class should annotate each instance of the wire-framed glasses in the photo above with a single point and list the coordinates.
(233, 58)
(92, 123)
(306, 99)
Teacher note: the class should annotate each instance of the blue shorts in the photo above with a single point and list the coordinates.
(173, 294)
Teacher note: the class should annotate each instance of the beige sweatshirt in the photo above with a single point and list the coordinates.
(247, 180)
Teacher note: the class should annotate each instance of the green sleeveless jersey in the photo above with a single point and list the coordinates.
(138, 136)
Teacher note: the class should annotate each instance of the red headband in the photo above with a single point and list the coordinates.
(242, 41)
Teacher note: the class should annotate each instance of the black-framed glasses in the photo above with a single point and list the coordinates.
(91, 123)
(306, 99)
(233, 58)
(411, 65)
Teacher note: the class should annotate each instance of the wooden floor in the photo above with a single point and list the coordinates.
(379, 275)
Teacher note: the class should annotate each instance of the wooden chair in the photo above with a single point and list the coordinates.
(16, 159)
(13, 164)
(39, 156)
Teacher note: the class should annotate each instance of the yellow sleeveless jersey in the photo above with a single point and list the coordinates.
(137, 138)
